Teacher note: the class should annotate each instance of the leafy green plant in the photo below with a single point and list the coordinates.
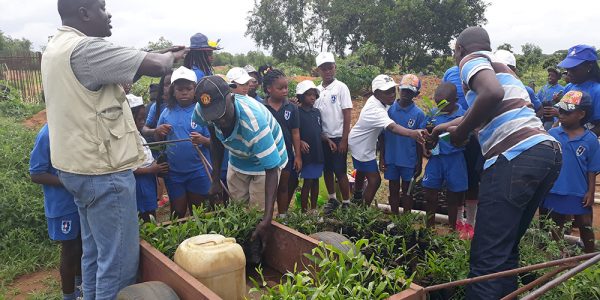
(337, 275)
(433, 109)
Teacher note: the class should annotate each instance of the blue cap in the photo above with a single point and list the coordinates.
(199, 41)
(577, 55)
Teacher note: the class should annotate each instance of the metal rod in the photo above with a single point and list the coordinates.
(535, 283)
(562, 278)
(166, 142)
(511, 272)
(209, 170)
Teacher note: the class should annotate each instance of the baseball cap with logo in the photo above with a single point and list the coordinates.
(577, 55)
(184, 73)
(250, 69)
(410, 82)
(211, 93)
(325, 57)
(574, 100)
(238, 75)
(383, 83)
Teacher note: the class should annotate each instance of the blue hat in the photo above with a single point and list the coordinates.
(199, 41)
(577, 55)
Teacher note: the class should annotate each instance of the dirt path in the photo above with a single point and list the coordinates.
(38, 282)
(36, 121)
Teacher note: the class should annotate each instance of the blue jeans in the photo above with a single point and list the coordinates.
(109, 231)
(509, 195)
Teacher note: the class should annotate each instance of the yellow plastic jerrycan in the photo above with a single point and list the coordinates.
(216, 261)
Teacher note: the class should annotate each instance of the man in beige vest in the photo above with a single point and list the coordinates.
(93, 138)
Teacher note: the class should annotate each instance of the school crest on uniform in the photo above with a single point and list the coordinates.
(333, 98)
(287, 114)
(65, 226)
(580, 150)
(194, 125)
(411, 123)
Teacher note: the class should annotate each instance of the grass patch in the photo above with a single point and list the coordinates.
(24, 243)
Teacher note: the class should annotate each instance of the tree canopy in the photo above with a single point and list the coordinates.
(405, 32)
(8, 44)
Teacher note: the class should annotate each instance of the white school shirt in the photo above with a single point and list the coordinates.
(363, 137)
(332, 100)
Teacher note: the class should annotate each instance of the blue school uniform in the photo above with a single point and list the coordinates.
(400, 151)
(452, 75)
(151, 119)
(186, 171)
(59, 206)
(537, 104)
(449, 166)
(547, 92)
(145, 185)
(580, 156)
(310, 132)
(287, 117)
(593, 88)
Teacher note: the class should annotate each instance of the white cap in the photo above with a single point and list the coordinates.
(250, 69)
(134, 101)
(184, 73)
(325, 57)
(383, 83)
(304, 86)
(505, 57)
(238, 75)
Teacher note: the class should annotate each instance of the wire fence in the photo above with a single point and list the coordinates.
(22, 71)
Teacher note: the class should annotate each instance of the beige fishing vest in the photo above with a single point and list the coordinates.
(91, 132)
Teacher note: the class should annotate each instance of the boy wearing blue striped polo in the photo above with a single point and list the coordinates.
(257, 152)
(522, 160)
(401, 157)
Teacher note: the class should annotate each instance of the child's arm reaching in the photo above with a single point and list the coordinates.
(199, 139)
(153, 169)
(46, 179)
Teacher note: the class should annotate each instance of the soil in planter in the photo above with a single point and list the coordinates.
(421, 204)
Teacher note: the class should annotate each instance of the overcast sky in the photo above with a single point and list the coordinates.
(552, 25)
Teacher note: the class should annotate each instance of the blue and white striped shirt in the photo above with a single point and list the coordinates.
(513, 127)
(256, 143)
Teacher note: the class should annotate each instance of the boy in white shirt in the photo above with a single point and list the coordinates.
(335, 105)
(364, 135)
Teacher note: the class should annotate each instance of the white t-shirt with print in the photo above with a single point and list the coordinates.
(332, 100)
(373, 119)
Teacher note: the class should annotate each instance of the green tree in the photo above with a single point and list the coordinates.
(505, 46)
(162, 43)
(410, 33)
(8, 44)
(531, 58)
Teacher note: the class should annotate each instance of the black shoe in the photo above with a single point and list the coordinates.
(346, 205)
(330, 206)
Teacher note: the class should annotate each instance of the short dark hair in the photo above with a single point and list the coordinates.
(448, 89)
(474, 39)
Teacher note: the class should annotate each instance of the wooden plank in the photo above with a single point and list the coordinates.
(156, 266)
(286, 249)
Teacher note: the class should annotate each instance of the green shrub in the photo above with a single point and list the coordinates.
(24, 245)
(357, 77)
(11, 104)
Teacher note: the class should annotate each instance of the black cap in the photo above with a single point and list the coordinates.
(211, 93)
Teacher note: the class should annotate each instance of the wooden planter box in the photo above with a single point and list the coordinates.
(285, 250)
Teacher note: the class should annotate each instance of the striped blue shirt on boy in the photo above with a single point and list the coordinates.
(256, 143)
(513, 127)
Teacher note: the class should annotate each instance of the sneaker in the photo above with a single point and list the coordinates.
(163, 201)
(467, 232)
(346, 205)
(330, 206)
(460, 225)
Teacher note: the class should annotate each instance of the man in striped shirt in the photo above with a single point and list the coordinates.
(255, 142)
(521, 160)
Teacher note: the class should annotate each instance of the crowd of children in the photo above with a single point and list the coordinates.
(317, 134)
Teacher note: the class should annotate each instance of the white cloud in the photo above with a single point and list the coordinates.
(552, 25)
